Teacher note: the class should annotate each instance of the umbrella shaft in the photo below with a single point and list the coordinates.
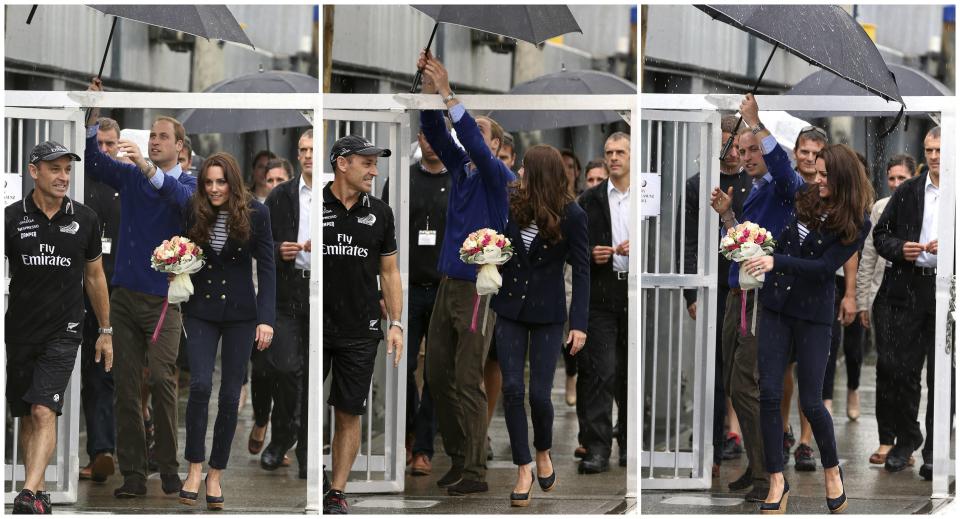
(107, 50)
(419, 76)
(727, 145)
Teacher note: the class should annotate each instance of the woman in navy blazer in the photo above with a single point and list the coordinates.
(547, 229)
(232, 228)
(831, 223)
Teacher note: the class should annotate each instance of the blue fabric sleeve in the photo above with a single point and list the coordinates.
(435, 131)
(456, 112)
(493, 171)
(786, 181)
(266, 271)
(579, 260)
(103, 168)
(157, 179)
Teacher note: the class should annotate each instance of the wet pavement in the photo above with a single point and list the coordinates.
(870, 489)
(574, 493)
(246, 487)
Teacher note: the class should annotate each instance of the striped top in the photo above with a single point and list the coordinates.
(802, 229)
(528, 233)
(219, 232)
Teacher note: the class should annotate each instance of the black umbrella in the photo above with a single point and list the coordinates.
(204, 120)
(566, 82)
(530, 23)
(823, 35)
(910, 82)
(206, 21)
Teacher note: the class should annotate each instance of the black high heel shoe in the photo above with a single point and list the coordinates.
(780, 507)
(548, 483)
(518, 499)
(214, 502)
(839, 504)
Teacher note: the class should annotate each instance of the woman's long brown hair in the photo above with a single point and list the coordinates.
(851, 195)
(237, 204)
(543, 192)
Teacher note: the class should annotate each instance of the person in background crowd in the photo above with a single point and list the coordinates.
(224, 313)
(549, 230)
(596, 172)
(869, 278)
(54, 251)
(507, 152)
(428, 218)
(259, 174)
(97, 383)
(152, 202)
(282, 367)
(602, 376)
(571, 167)
(185, 157)
(907, 236)
(278, 172)
(735, 180)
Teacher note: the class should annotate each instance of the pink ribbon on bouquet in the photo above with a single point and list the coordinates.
(163, 316)
(743, 313)
(476, 310)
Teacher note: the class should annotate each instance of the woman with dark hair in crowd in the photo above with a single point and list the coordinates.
(571, 167)
(831, 223)
(548, 229)
(232, 229)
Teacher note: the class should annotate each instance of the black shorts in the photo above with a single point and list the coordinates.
(352, 360)
(39, 374)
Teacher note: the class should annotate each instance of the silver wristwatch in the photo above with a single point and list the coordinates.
(105, 331)
(758, 128)
(398, 324)
(450, 97)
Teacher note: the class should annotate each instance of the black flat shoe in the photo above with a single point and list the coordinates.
(780, 507)
(214, 502)
(518, 499)
(550, 482)
(743, 482)
(839, 504)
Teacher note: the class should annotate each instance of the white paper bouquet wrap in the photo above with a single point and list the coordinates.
(181, 257)
(741, 243)
(488, 249)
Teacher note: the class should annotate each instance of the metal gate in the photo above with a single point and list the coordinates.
(25, 128)
(677, 354)
(381, 462)
(681, 465)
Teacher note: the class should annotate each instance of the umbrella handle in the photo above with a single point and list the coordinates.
(727, 145)
(416, 78)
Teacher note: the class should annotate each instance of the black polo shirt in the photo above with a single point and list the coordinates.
(353, 242)
(47, 260)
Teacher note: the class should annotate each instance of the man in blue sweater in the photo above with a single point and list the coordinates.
(455, 355)
(769, 204)
(153, 197)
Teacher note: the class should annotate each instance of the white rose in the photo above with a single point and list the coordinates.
(491, 253)
(469, 245)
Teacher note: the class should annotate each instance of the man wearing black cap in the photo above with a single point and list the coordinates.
(53, 245)
(359, 242)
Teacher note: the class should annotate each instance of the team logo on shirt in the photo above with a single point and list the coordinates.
(374, 324)
(56, 397)
(70, 229)
(72, 327)
(370, 219)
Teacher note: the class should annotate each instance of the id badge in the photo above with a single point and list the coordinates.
(427, 238)
(107, 245)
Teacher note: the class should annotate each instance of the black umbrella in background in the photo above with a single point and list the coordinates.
(530, 23)
(566, 82)
(825, 36)
(204, 21)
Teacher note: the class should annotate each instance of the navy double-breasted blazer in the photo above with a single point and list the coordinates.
(223, 288)
(802, 283)
(533, 289)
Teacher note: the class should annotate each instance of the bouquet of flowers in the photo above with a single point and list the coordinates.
(486, 248)
(178, 257)
(746, 241)
(743, 242)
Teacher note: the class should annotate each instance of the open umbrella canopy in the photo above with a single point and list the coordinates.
(213, 22)
(823, 35)
(910, 82)
(530, 23)
(250, 120)
(567, 82)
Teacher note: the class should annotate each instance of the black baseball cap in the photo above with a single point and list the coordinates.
(51, 150)
(355, 145)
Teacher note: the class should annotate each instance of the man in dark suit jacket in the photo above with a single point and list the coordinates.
(283, 365)
(602, 364)
(906, 235)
